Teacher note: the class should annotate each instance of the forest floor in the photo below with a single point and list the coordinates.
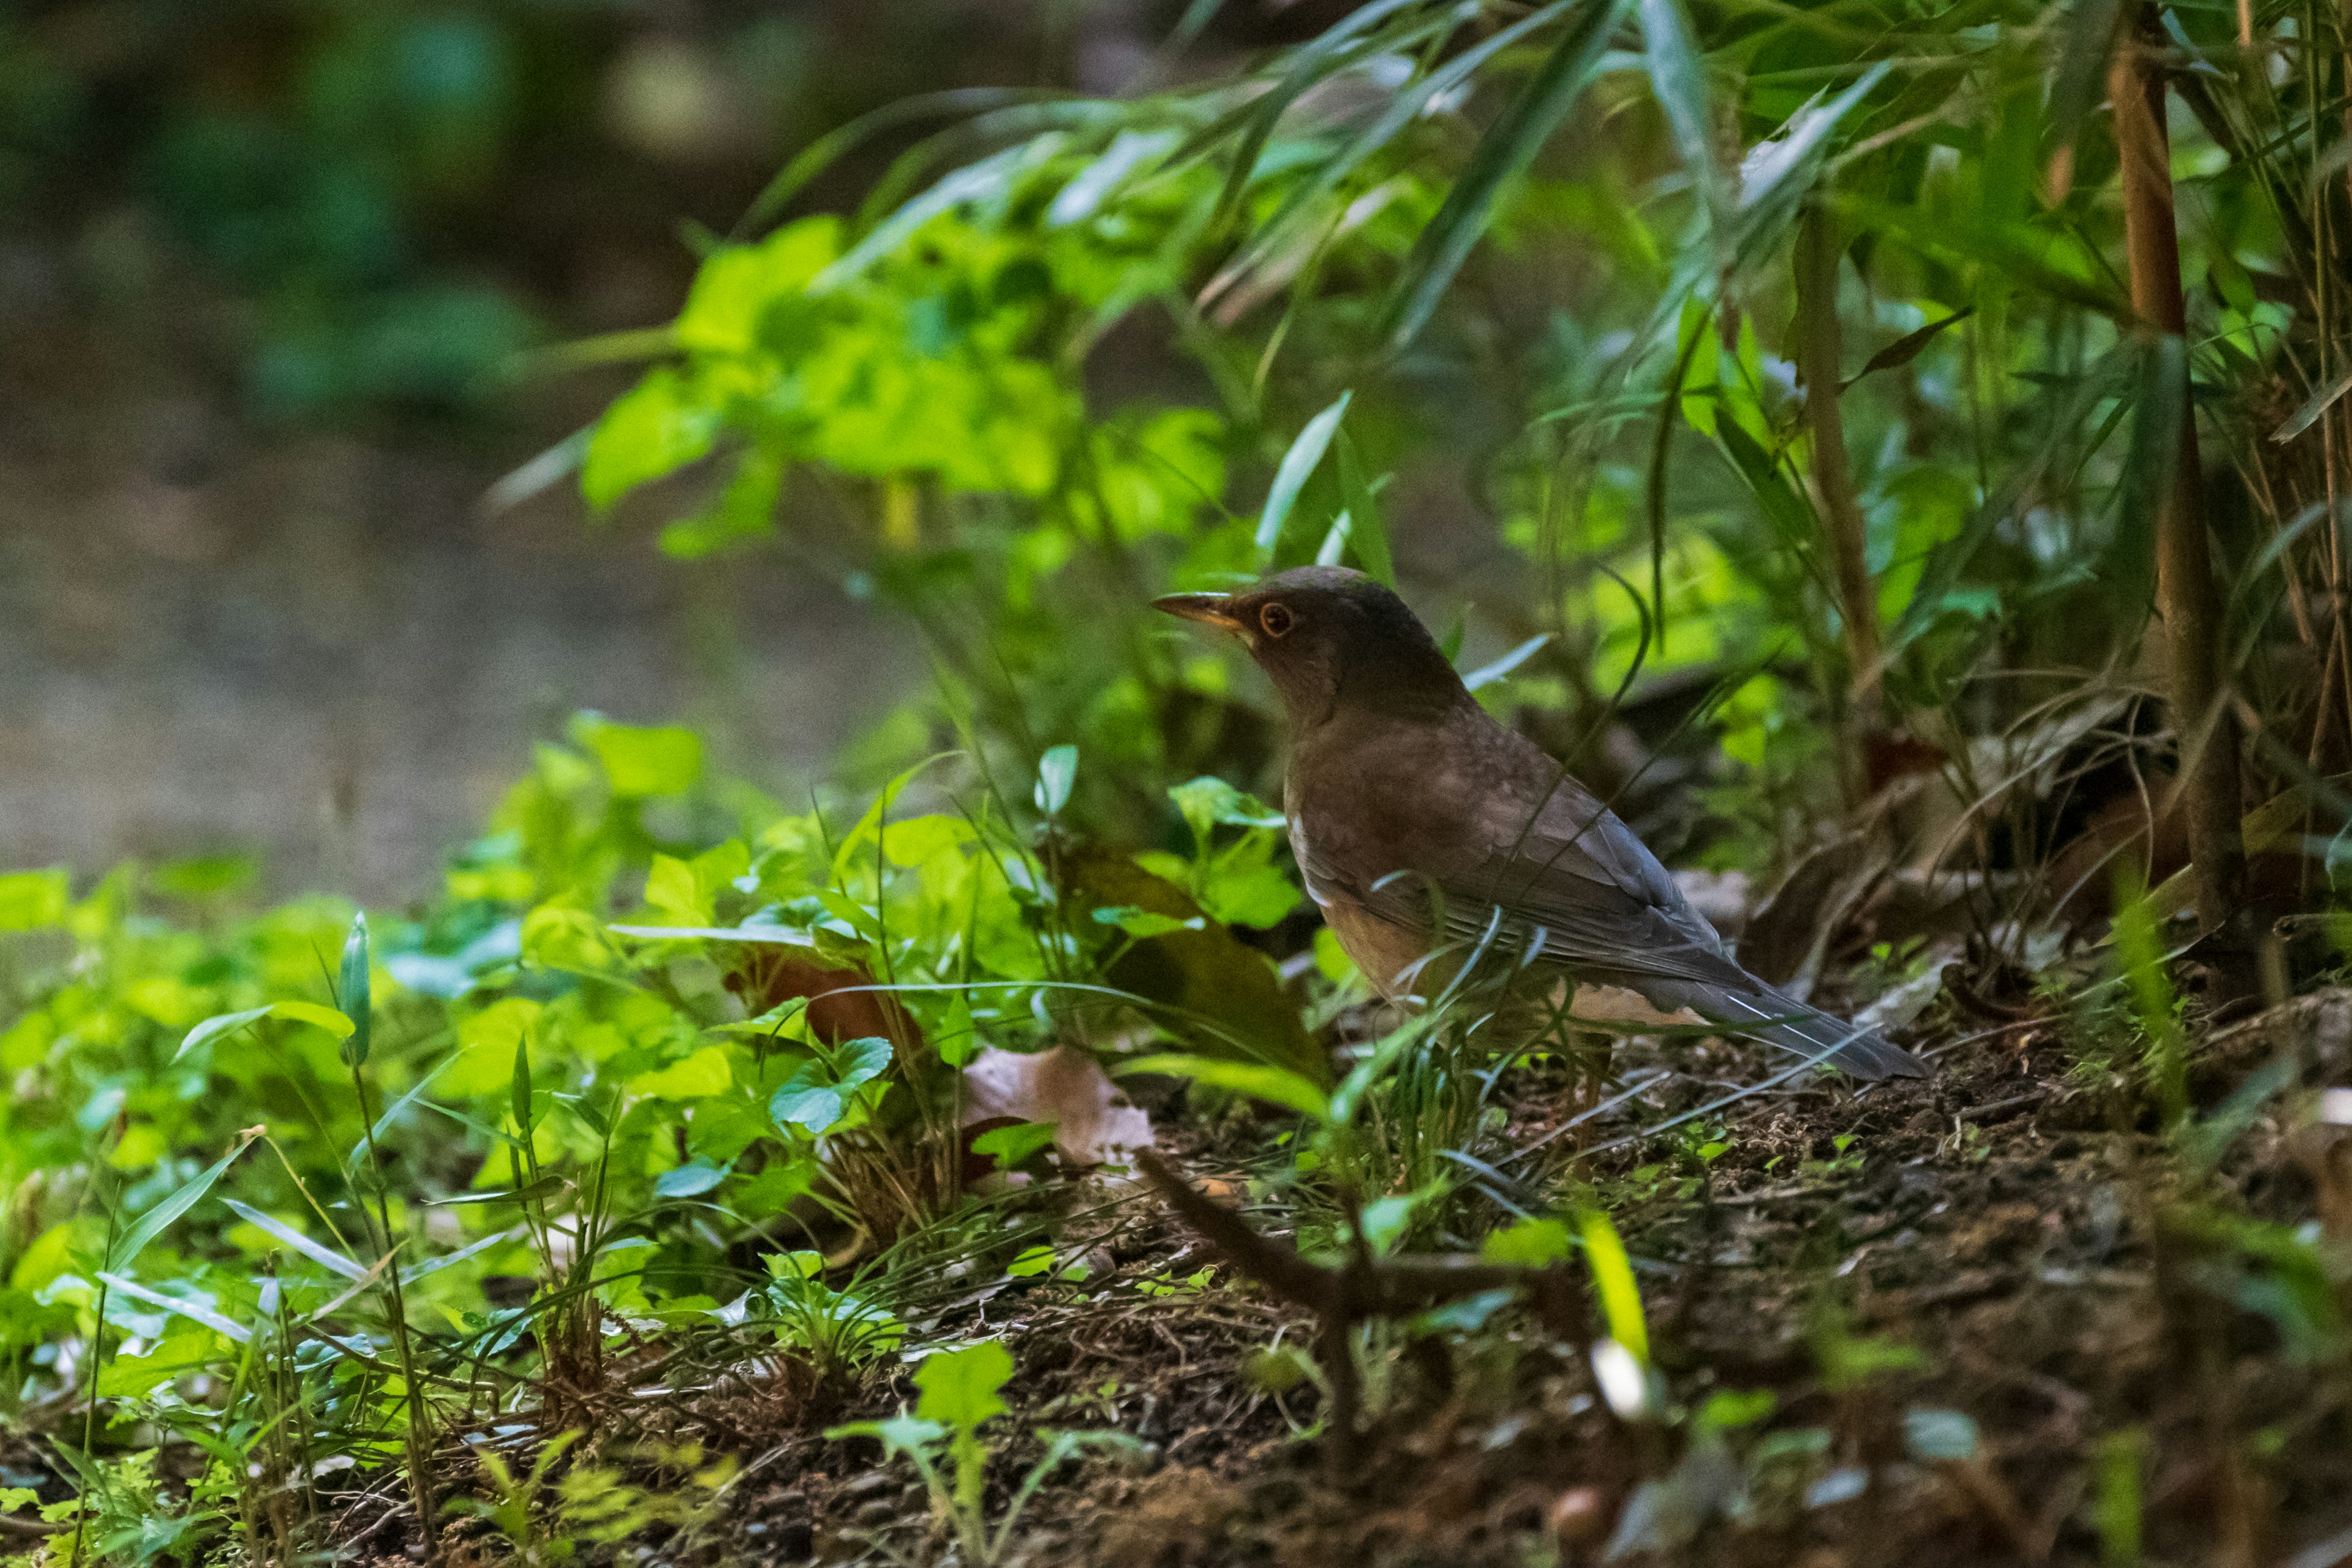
(1995, 1323)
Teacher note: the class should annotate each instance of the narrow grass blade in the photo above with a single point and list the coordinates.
(1297, 465)
(317, 1252)
(192, 1311)
(1276, 1086)
(179, 1201)
(1368, 534)
(1613, 1280)
(2304, 417)
(1487, 674)
(1678, 82)
(1504, 152)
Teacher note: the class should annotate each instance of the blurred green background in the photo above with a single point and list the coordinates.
(272, 279)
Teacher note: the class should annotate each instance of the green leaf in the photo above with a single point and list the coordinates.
(1487, 674)
(2159, 415)
(331, 1019)
(960, 1388)
(641, 762)
(1932, 1434)
(1678, 82)
(1368, 535)
(1613, 1279)
(30, 900)
(901, 1433)
(1143, 922)
(862, 1060)
(1297, 464)
(519, 1099)
(327, 1018)
(2302, 419)
(213, 1028)
(1277, 1086)
(1058, 771)
(1209, 802)
(804, 1104)
(1009, 1146)
(317, 1252)
(654, 428)
(1501, 156)
(691, 1179)
(1218, 996)
(1532, 1243)
(1789, 512)
(353, 994)
(179, 1201)
(1779, 173)
(1907, 347)
(701, 1075)
(2080, 82)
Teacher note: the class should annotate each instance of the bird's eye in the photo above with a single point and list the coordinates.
(1277, 620)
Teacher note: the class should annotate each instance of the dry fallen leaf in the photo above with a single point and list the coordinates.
(1094, 1123)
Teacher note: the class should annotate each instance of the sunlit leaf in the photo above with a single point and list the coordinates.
(960, 1388)
(1273, 1084)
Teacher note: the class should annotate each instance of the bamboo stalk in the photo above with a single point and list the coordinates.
(1821, 365)
(2188, 598)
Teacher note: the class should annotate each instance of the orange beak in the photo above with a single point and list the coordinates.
(1209, 609)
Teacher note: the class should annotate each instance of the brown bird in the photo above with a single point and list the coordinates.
(1421, 825)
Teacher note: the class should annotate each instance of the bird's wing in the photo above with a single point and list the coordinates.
(1557, 864)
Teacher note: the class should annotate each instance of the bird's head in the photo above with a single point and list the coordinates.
(1330, 639)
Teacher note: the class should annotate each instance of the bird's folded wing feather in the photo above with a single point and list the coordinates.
(1566, 869)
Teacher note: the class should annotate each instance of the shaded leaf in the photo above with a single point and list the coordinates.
(1220, 998)
(1503, 153)
(1297, 464)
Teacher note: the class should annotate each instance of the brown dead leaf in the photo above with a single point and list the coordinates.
(1094, 1123)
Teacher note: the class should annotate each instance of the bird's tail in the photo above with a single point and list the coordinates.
(1779, 1019)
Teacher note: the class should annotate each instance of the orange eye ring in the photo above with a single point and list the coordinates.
(1277, 620)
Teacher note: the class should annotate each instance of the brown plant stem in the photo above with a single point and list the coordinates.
(2187, 599)
(1821, 365)
(1364, 1286)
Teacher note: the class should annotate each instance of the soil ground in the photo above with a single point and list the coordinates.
(2005, 1241)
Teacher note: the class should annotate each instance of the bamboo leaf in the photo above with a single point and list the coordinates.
(194, 1311)
(2317, 403)
(317, 1252)
(1789, 512)
(1907, 347)
(1487, 674)
(1678, 82)
(1777, 174)
(520, 1096)
(1502, 154)
(2085, 41)
(1276, 1086)
(2159, 408)
(1367, 533)
(1613, 1280)
(1313, 62)
(351, 992)
(1297, 464)
(179, 1201)
(215, 1027)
